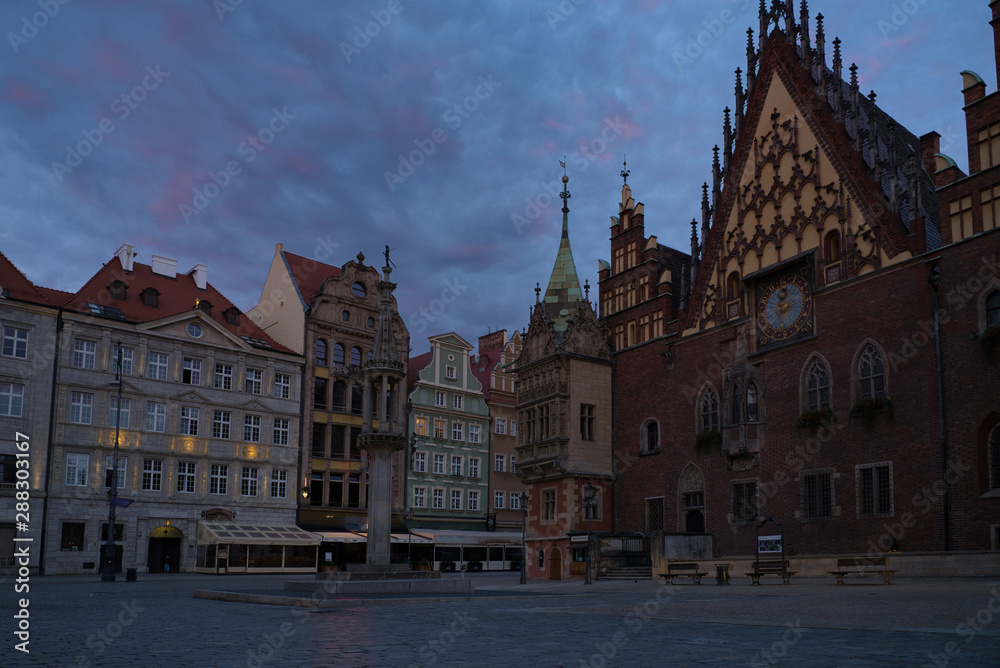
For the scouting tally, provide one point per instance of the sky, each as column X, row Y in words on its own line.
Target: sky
column 210, row 130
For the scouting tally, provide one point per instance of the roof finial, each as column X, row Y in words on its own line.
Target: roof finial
column 804, row 29
column 625, row 172
column 727, row 140
column 820, row 44
column 586, row 289
column 751, row 61
column 538, row 292
column 564, row 194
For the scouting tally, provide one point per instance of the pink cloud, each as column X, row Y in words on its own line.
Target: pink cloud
column 26, row 97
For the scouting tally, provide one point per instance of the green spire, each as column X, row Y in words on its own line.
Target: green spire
column 563, row 292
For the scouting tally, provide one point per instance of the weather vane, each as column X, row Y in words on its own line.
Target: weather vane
column 625, row 172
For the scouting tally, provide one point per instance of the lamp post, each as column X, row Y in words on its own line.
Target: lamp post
column 589, row 503
column 524, row 523
column 108, row 572
column 409, row 537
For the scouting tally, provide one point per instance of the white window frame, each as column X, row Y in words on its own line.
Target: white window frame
column 279, row 483
column 515, row 501
column 500, row 426
column 126, row 412
column 437, row 499
column 457, row 431
column 81, row 407
column 84, row 354
column 251, row 428
column 499, row 499
column 280, row 431
column 77, row 467
column 455, row 502
column 473, row 500
column 450, row 373
column 457, row 465
column 219, row 479
column 474, row 467
column 223, row 378
column 282, row 385
column 254, row 381
column 458, row 402
column 438, row 464
column 513, row 427
column 120, row 472
column 187, row 472
column 12, row 336
column 420, row 462
column 439, row 399
column 152, row 475
column 500, row 463
column 190, row 417
column 419, row 497
column 128, row 355
column 156, row 416
column 474, row 433
column 440, row 429
column 249, row 477
column 222, row 424
column 191, row 371
column 11, row 399
column 156, row 366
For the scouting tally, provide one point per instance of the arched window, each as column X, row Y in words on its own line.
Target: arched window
column 338, row 354
column 649, row 436
column 339, row 396
column 709, row 410
column 818, row 386
column 993, row 310
column 995, row 457
column 356, row 356
column 751, row 402
column 737, row 401
column 320, row 352
column 831, row 247
column 871, row 373
column 733, row 286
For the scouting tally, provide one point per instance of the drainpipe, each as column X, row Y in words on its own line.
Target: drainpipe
column 934, row 278
column 50, row 446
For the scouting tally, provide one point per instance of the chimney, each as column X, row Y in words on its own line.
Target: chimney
column 164, row 266
column 200, row 274
column 125, row 254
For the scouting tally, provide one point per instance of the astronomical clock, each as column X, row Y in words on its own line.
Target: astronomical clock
column 784, row 307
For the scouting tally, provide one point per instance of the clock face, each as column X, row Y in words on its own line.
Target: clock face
column 784, row 308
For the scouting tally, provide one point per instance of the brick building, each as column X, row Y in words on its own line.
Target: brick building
column 821, row 356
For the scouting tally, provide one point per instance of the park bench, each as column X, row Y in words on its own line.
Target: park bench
column 676, row 569
column 769, row 566
column 862, row 566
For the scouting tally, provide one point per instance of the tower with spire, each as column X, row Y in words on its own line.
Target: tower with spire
column 564, row 418
column 383, row 430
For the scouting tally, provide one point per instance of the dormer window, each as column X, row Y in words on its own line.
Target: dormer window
column 204, row 306
column 150, row 297
column 232, row 315
column 117, row 290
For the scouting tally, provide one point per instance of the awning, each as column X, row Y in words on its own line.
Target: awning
column 253, row 534
column 457, row 537
column 362, row 537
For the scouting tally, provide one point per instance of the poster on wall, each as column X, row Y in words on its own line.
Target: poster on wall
column 768, row 544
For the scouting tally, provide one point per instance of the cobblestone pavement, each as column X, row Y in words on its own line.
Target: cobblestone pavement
column 79, row 621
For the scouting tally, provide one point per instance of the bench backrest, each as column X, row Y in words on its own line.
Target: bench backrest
column 677, row 566
column 765, row 564
column 858, row 562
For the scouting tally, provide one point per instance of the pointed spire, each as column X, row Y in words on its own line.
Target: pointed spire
column 716, row 178
column 706, row 213
column 762, row 33
column 384, row 348
column 806, row 42
column 790, row 21
column 873, row 134
column 751, row 62
column 739, row 101
column 820, row 44
column 727, row 134
column 563, row 292
column 856, row 135
column 694, row 241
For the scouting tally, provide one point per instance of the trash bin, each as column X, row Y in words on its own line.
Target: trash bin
column 721, row 574
column 130, row 575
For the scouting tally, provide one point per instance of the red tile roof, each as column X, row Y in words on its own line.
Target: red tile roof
column 19, row 287
column 308, row 274
column 416, row 365
column 177, row 295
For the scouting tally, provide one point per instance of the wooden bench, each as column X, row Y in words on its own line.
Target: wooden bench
column 863, row 566
column 774, row 566
column 676, row 569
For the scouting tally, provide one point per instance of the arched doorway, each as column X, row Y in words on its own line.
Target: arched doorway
column 164, row 550
column 692, row 501
column 555, row 564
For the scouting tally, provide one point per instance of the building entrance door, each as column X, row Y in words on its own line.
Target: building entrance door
column 555, row 565
column 164, row 550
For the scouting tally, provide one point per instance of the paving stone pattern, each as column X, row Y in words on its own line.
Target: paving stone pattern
column 79, row 621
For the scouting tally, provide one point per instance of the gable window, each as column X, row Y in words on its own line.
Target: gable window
column 818, row 386
column 449, row 372
column 204, row 306
column 586, row 422
column 150, row 297
column 874, row 484
column 744, row 502
column 871, row 373
column 192, row 372
column 649, row 436
column 358, row 289
column 709, row 410
column 254, row 381
column 320, row 352
column 84, row 354
column 15, row 342
column 156, row 368
column 817, row 496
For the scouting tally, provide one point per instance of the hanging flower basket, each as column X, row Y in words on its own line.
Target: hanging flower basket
column 707, row 440
column 814, row 419
column 867, row 408
column 988, row 340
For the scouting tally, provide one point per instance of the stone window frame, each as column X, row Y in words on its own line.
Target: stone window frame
column 800, row 512
column 875, row 512
column 731, row 515
column 856, row 371
column 708, row 389
column 549, row 507
column 804, row 391
column 644, row 429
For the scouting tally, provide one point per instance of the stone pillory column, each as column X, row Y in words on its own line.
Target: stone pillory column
column 383, row 430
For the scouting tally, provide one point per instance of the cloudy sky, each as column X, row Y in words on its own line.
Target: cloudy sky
column 210, row 130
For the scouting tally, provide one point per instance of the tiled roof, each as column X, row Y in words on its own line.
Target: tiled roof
column 57, row 297
column 308, row 275
column 176, row 295
column 19, row 287
column 563, row 291
column 482, row 369
column 417, row 364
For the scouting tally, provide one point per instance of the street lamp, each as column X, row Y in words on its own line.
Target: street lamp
column 589, row 503
column 524, row 523
column 108, row 573
column 409, row 537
